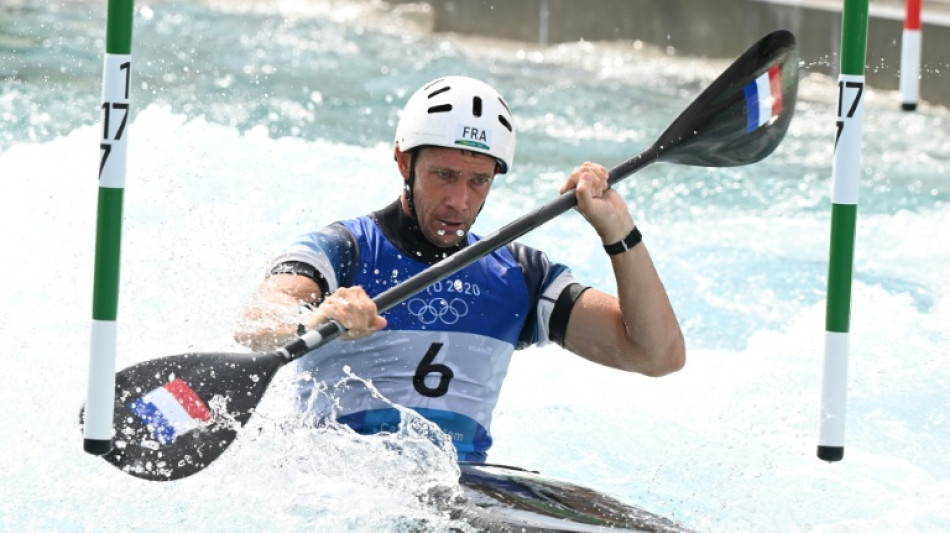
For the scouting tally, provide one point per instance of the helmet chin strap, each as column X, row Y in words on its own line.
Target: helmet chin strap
column 413, row 156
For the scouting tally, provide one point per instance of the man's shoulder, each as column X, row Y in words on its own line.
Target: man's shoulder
column 528, row 257
column 539, row 270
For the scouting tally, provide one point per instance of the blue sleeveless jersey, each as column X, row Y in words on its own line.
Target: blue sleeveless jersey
column 444, row 352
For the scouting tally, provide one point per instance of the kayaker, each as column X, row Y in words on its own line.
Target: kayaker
column 444, row 352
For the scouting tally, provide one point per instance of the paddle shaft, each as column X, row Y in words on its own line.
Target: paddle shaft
column 394, row 296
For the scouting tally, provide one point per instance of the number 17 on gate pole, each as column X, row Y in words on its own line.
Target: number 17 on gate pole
column 116, row 83
column 846, row 174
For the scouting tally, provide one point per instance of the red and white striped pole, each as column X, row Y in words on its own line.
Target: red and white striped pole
column 910, row 57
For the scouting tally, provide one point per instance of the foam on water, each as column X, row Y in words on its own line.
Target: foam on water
column 214, row 191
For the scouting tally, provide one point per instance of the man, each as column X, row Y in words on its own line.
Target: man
column 445, row 352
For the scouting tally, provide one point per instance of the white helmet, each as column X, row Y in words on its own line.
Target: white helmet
column 458, row 112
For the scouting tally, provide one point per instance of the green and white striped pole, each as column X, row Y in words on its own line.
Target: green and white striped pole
column 116, row 82
column 845, row 175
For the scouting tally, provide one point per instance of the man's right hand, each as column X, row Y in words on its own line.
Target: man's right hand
column 352, row 308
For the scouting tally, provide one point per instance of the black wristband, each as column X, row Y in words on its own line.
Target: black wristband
column 632, row 239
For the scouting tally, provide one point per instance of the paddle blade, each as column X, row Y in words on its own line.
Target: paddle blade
column 177, row 414
column 744, row 114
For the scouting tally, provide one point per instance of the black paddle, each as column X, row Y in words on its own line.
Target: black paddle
column 177, row 414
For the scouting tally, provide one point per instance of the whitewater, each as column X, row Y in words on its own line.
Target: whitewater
column 255, row 121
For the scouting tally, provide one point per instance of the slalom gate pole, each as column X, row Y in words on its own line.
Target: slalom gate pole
column 845, row 175
column 910, row 57
column 116, row 82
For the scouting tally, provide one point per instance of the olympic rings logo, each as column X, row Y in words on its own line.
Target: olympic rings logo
column 445, row 311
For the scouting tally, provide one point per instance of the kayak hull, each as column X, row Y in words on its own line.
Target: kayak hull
column 504, row 498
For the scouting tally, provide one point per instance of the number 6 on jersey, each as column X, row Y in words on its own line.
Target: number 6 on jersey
column 426, row 368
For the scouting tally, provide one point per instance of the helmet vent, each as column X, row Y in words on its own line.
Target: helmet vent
column 504, row 105
column 504, row 122
column 444, row 108
column 477, row 106
column 440, row 91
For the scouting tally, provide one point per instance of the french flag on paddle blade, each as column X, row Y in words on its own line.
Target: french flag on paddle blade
column 763, row 98
column 171, row 410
